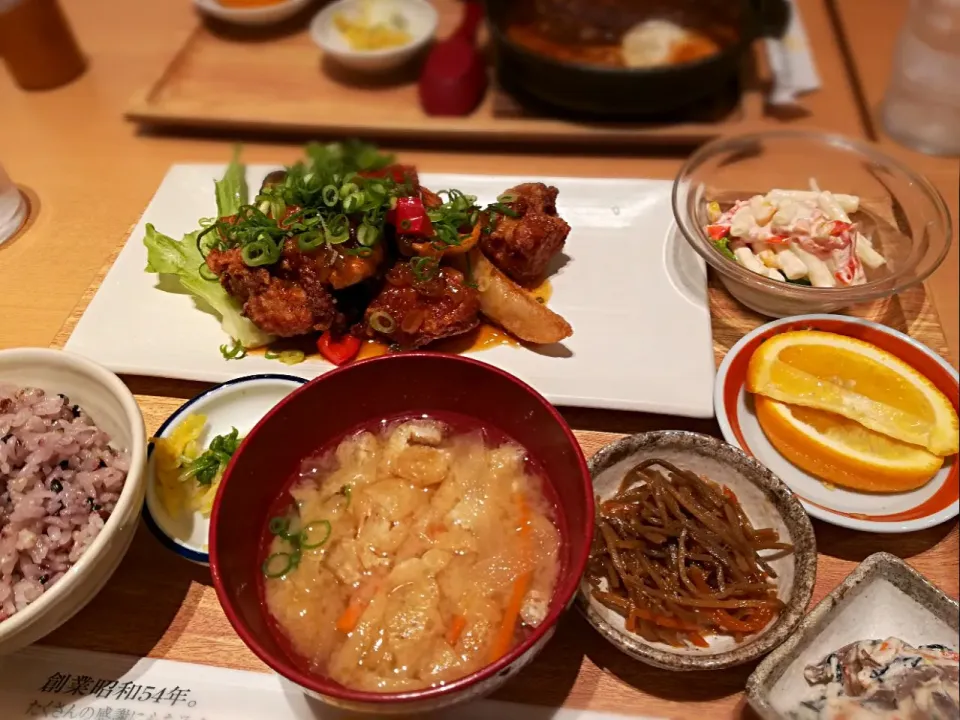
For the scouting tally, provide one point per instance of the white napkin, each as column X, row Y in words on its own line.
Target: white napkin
column 794, row 72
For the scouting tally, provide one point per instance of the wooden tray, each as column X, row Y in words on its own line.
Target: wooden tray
column 178, row 616
column 230, row 78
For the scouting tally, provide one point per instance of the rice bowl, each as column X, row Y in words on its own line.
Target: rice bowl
column 59, row 481
column 85, row 554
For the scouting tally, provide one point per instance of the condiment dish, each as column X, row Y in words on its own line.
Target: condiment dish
column 266, row 14
column 240, row 404
column 419, row 16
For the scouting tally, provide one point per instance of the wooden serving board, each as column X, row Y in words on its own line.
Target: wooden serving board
column 239, row 79
column 177, row 615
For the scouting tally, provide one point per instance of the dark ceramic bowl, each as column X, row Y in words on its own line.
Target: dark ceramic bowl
column 766, row 501
column 321, row 412
column 632, row 93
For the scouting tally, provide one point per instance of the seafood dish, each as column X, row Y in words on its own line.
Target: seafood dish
column 804, row 237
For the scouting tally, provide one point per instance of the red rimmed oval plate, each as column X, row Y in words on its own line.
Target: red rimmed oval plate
column 934, row 503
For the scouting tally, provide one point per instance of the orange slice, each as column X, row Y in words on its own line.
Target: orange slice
column 858, row 381
column 844, row 452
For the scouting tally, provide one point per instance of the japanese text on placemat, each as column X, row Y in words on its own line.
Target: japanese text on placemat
column 57, row 709
column 83, row 685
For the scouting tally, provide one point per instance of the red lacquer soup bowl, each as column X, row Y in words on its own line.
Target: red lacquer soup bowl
column 322, row 412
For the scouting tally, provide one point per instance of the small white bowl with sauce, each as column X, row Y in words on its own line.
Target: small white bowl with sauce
column 417, row 19
column 251, row 12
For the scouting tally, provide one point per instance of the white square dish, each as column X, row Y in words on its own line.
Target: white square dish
column 884, row 597
column 633, row 290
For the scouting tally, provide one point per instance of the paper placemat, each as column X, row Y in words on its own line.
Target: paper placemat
column 42, row 682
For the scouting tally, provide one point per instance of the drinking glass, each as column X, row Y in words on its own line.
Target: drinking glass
column 13, row 208
column 921, row 108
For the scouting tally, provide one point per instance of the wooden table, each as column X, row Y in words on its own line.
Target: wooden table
column 92, row 174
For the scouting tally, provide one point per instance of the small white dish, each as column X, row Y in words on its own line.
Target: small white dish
column 264, row 15
column 884, row 597
column 240, row 404
column 421, row 23
column 932, row 504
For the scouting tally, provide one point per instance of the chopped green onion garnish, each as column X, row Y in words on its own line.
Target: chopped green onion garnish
column 214, row 460
column 310, row 240
column 330, row 195
column 234, row 351
column 279, row 525
column 424, row 268
column 382, row 322
column 262, row 251
column 501, row 208
column 315, row 534
column 287, row 357
column 367, row 235
column 206, row 273
column 279, row 564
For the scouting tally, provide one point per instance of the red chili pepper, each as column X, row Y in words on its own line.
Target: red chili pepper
column 410, row 217
column 777, row 240
column 338, row 350
column 838, row 227
column 848, row 271
column 398, row 173
column 718, row 232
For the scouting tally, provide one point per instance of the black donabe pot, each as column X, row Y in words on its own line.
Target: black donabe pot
column 633, row 92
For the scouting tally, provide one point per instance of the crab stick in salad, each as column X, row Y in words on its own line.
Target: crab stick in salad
column 804, row 237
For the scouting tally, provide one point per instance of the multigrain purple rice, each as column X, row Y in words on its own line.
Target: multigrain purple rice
column 59, row 481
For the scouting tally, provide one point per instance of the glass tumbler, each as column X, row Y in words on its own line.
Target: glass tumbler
column 13, row 207
column 921, row 108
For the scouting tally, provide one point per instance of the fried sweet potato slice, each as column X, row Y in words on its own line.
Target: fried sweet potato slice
column 514, row 309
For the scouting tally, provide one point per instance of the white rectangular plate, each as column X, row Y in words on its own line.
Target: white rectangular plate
column 632, row 288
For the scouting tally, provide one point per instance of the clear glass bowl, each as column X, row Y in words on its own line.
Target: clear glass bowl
column 902, row 213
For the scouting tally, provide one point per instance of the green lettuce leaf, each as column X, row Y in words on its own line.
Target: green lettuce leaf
column 232, row 191
column 723, row 245
column 182, row 258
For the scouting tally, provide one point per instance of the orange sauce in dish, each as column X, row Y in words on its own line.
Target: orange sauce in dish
column 248, row 3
